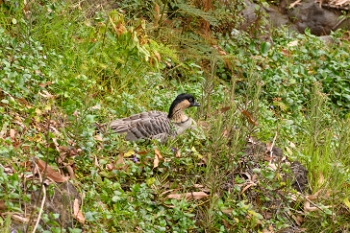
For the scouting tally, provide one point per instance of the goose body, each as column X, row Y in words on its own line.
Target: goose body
column 157, row 124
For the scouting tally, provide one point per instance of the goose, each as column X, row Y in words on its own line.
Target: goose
column 156, row 124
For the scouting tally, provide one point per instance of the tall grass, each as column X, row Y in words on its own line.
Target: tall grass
column 107, row 66
column 325, row 150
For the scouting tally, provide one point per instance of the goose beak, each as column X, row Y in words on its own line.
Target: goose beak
column 195, row 104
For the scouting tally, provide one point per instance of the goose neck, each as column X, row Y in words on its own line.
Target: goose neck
column 179, row 117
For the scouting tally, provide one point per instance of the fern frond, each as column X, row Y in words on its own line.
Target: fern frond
column 193, row 11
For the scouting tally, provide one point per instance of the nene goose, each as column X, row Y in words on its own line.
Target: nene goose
column 156, row 124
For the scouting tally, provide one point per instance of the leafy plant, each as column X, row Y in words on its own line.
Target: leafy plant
column 65, row 70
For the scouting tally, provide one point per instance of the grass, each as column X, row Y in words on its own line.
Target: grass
column 63, row 71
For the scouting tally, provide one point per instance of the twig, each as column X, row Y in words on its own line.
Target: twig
column 336, row 7
column 294, row 4
column 339, row 22
column 42, row 201
column 273, row 143
column 42, row 177
column 16, row 216
column 311, row 197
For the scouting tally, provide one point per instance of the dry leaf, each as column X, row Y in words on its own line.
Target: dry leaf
column 247, row 187
column 226, row 224
column 314, row 196
column 339, row 3
column 120, row 160
column 320, row 180
column 168, row 64
column 267, row 230
column 96, row 107
column 227, row 211
column 46, row 94
column 269, row 158
column 297, row 2
column 142, row 152
column 166, row 191
column 225, row 109
column 78, row 215
column 156, row 151
column 50, row 172
column 156, row 9
column 76, row 113
column 119, row 28
column 308, row 207
column 12, row 133
column 57, row 146
column 3, row 130
column 289, row 151
column 26, row 8
column 18, row 218
column 272, row 166
column 249, row 117
column 292, row 145
column 298, row 219
column 225, row 133
column 293, row 43
column 45, row 84
column 97, row 164
column 110, row 166
column 157, row 55
column 2, row 205
column 178, row 153
column 98, row 138
column 8, row 170
column 155, row 161
column 309, row 198
column 157, row 157
column 188, row 196
column 70, row 171
column 285, row 52
column 220, row 51
column 66, row 151
column 268, row 147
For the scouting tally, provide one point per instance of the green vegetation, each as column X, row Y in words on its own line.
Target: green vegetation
column 66, row 66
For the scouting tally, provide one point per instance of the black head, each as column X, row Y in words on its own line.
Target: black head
column 185, row 100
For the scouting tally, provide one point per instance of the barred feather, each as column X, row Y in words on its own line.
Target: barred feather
column 156, row 124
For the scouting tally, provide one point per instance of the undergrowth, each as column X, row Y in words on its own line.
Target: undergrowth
column 63, row 71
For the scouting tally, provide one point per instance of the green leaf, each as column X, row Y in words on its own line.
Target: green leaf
column 264, row 48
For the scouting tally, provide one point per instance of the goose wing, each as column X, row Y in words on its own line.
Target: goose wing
column 153, row 124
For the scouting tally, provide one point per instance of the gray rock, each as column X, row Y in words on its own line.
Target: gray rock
column 308, row 14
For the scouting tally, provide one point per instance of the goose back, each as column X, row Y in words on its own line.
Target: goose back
column 157, row 124
column 152, row 124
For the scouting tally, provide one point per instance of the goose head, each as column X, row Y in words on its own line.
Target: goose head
column 176, row 110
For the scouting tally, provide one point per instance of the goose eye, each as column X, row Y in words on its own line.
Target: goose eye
column 191, row 100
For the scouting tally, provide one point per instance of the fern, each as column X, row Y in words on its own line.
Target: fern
column 193, row 11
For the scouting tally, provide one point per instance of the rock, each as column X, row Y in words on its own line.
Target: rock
column 300, row 181
column 249, row 15
column 327, row 39
column 308, row 14
column 253, row 17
